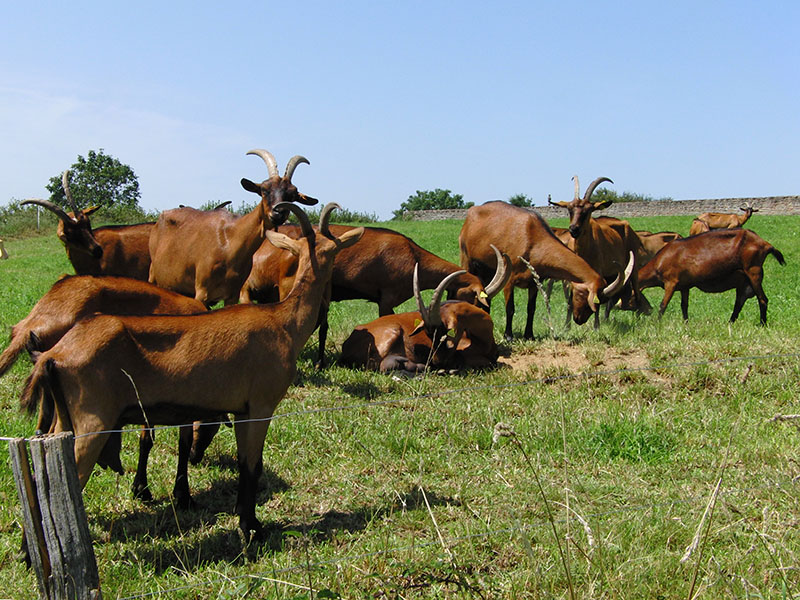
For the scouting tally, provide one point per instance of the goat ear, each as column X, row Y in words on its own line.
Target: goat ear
column 307, row 200
column 284, row 242
column 419, row 325
column 601, row 205
column 348, row 238
column 250, row 186
column 91, row 210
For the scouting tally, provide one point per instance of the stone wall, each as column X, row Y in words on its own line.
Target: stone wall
column 774, row 205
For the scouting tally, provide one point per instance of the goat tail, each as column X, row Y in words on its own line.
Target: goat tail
column 42, row 389
column 774, row 251
column 10, row 354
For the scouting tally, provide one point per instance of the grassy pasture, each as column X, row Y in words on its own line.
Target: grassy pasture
column 433, row 487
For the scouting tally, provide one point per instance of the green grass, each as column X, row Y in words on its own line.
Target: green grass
column 626, row 427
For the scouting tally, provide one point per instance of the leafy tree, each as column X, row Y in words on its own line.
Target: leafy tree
column 520, row 200
column 437, row 199
column 100, row 179
column 602, row 194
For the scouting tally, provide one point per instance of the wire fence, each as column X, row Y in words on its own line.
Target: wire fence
column 449, row 542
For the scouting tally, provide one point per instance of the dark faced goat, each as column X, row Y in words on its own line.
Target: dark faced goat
column 523, row 234
column 208, row 254
column 112, row 250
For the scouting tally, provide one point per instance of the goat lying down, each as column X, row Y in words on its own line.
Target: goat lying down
column 239, row 360
column 450, row 335
column 74, row 297
column 714, row 261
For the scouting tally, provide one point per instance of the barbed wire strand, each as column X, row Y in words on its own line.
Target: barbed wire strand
column 439, row 394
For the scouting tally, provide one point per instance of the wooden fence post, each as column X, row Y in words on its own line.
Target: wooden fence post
column 56, row 531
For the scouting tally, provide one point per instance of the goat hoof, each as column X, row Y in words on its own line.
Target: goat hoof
column 143, row 494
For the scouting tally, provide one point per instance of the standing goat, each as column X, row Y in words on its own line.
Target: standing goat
column 111, row 250
column 379, row 268
column 448, row 335
column 207, row 255
column 524, row 234
column 75, row 297
column 605, row 244
column 108, row 371
column 714, row 261
column 712, row 220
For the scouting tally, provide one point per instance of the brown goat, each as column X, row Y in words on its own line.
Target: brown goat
column 452, row 335
column 240, row 360
column 714, row 261
column 75, row 297
column 521, row 233
column 725, row 220
column 698, row 226
column 207, row 255
column 379, row 268
column 120, row 250
column 653, row 242
column 604, row 243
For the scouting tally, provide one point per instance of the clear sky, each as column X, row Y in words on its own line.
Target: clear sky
column 487, row 99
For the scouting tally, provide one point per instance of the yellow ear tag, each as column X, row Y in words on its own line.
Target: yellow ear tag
column 417, row 323
column 596, row 300
column 483, row 294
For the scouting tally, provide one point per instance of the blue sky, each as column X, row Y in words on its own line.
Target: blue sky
column 679, row 99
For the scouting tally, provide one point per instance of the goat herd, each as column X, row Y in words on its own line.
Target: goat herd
column 130, row 339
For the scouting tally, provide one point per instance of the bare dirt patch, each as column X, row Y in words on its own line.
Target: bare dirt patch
column 575, row 359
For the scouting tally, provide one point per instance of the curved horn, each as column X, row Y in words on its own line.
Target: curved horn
column 59, row 212
column 292, row 165
column 593, row 186
column 501, row 275
column 267, row 157
column 621, row 279
column 65, row 185
column 436, row 298
column 423, row 310
column 305, row 224
column 221, row 206
column 324, row 217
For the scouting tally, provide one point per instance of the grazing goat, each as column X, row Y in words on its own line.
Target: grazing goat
column 379, row 268
column 207, row 255
column 712, row 220
column 111, row 250
column 451, row 335
column 605, row 244
column 75, row 297
column 109, row 371
column 521, row 233
column 714, row 261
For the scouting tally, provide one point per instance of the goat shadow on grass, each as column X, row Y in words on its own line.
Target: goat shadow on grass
column 227, row 545
column 163, row 520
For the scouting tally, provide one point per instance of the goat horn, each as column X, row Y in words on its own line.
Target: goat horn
column 621, row 279
column 577, row 187
column 292, row 165
column 436, row 298
column 267, row 157
column 301, row 215
column 324, row 217
column 59, row 212
column 593, row 186
column 501, row 275
column 418, row 296
column 65, row 185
